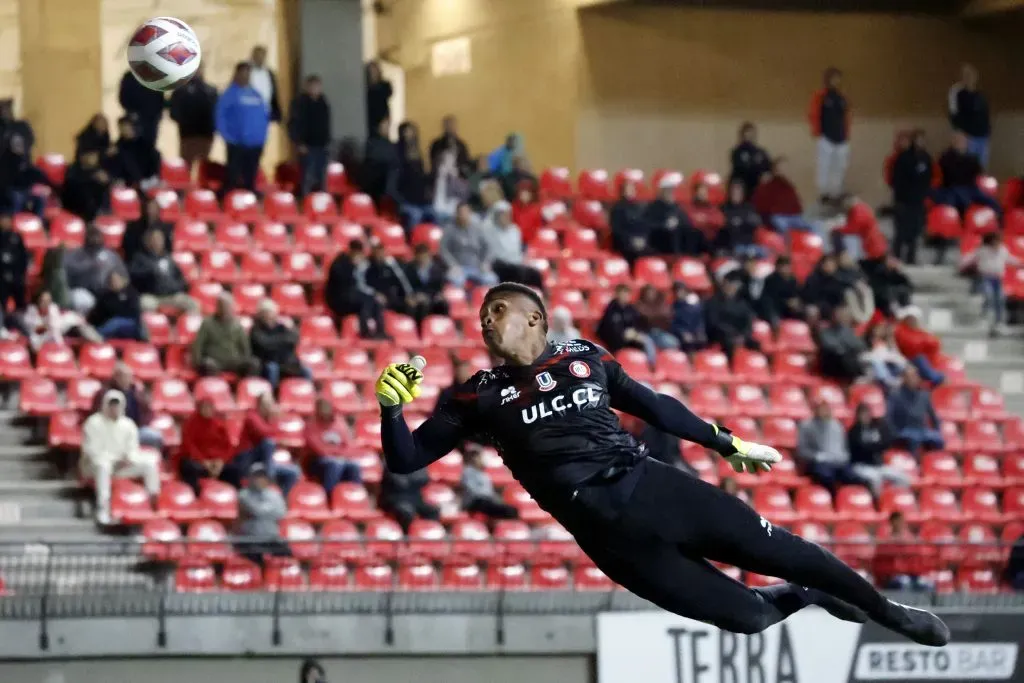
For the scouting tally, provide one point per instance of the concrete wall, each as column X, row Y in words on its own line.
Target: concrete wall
column 332, row 46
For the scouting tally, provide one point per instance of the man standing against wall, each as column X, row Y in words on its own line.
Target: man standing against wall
column 969, row 113
column 309, row 127
column 242, row 120
column 829, row 116
column 265, row 82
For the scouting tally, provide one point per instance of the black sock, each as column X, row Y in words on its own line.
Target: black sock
column 782, row 600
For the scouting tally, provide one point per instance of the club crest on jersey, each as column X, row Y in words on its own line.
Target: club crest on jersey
column 545, row 381
column 579, row 369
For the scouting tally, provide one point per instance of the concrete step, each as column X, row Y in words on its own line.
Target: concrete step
column 27, row 470
column 44, row 488
column 57, row 530
column 975, row 345
column 23, row 452
column 18, row 510
column 929, row 278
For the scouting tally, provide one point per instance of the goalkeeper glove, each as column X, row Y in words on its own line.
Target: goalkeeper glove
column 743, row 456
column 398, row 384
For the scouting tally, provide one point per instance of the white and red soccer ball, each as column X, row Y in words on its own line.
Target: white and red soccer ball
column 164, row 53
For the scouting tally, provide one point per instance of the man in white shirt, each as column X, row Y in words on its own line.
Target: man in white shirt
column 110, row 448
column 262, row 78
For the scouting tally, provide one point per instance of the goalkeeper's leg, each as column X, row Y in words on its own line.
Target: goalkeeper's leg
column 708, row 522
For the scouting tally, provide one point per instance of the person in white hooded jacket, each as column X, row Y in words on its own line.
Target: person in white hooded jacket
column 110, row 448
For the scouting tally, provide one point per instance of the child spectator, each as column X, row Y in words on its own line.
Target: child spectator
column 688, row 319
column 327, row 448
column 867, row 442
column 526, row 210
column 478, row 493
column 990, row 259
column 912, row 416
column 110, row 448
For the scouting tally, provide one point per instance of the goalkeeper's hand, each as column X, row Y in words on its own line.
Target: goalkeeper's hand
column 398, row 384
column 746, row 457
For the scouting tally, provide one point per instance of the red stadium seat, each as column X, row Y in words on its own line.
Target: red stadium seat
column 202, row 205
column 549, row 575
column 172, row 396
column 372, row 574
column 672, row 365
column 982, row 437
column 506, row 575
column 81, row 392
column 337, row 181
column 590, row 214
column 576, row 272
column 342, row 539
column 775, row 504
column 900, row 500
column 195, row 576
column 97, row 360
column 329, row 574
column 32, row 231
column 242, row 205
column 428, row 539
column 980, row 220
column 981, row 580
column 352, row 502
column 297, row 395
column 789, row 401
column 1013, row 222
column 359, row 208
column 589, row 578
column 853, row 543
column 15, row 362
column 63, row 430
column 982, row 505
column 951, row 436
column 219, row 267
column 749, row 400
column 383, row 538
column 162, row 540
column 1013, row 469
column 159, row 328
column 712, row 366
column 125, row 203
column 940, row 504
column 594, row 184
column 54, row 167
column 806, row 245
column 416, row 573
column 233, row 236
column 38, row 396
column 143, row 360
column 241, row 575
column 319, row 206
column 307, row 500
column 301, row 537
column 951, row 403
column 982, row 469
column 870, row 395
column 112, row 228
column 692, row 273
column 815, row 502
column 1013, row 503
column 940, row 469
column 57, row 362
column 780, row 432
column 290, row 298
column 283, row 574
column 795, row 335
column 272, row 236
column 175, row 173
column 67, row 229
column 856, row 503
column 130, row 503
column 582, row 243
column 281, row 206
column 218, row 500
column 710, row 400
column 178, row 502
column 248, row 296
column 751, row 366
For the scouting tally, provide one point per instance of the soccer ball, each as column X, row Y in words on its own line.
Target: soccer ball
column 164, row 53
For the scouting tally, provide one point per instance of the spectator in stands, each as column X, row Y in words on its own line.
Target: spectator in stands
column 622, row 326
column 135, row 232
column 118, row 311
column 867, row 440
column 257, row 443
column 824, row 288
column 95, row 137
column 631, row 232
column 158, row 278
column 507, row 249
column 478, row 494
column 466, row 251
column 898, row 563
column 380, row 162
column 409, row 182
column 206, row 444
column 860, row 298
column 922, row 348
column 222, row 345
column 730, row 319
column 829, row 116
column 840, row 348
column 242, row 118
column 501, row 161
column 14, row 262
column 378, row 97
column 990, row 260
column 885, row 360
column 110, row 448
column 11, row 127
column 969, row 113
column 450, row 189
column 656, row 317
column 261, row 508
column 309, row 127
column 821, row 450
column 862, row 223
column 668, row 226
column 88, row 270
column 147, row 106
column 18, row 176
column 777, row 201
column 347, row 291
column 449, row 141
column 562, row 329
column 780, row 296
column 193, row 107
column 327, row 448
column 136, row 407
column 741, row 223
column 912, row 416
column 273, row 344
column 401, row 496
column 749, row 161
column 135, row 161
column 386, row 276
column 688, row 319
column 960, row 170
column 704, row 215
column 426, row 278
column 519, row 174
column 86, row 189
column 900, row 144
column 912, row 174
column 264, row 80
column 477, row 179
column 46, row 323
column 891, row 287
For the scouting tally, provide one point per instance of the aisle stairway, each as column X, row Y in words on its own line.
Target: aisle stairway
column 955, row 315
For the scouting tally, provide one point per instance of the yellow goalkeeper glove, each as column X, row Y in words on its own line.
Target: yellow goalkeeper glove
column 745, row 456
column 398, row 384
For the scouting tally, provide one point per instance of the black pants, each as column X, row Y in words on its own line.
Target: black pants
column 405, row 509
column 242, row 167
column 909, row 222
column 492, row 507
column 655, row 529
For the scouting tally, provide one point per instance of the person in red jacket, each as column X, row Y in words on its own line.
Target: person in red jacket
column 900, row 562
column 256, row 443
column 922, row 348
column 526, row 210
column 206, row 445
column 861, row 222
column 327, row 448
column 777, row 201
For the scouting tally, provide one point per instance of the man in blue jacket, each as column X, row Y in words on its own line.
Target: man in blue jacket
column 242, row 120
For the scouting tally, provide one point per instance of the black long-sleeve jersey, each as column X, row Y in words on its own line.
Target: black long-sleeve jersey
column 552, row 422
